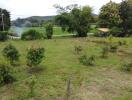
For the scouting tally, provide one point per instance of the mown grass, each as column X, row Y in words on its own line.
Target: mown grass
column 103, row 81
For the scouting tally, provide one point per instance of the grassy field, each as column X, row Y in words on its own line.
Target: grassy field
column 103, row 81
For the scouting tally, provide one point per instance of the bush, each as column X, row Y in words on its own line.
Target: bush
column 127, row 67
column 113, row 47
column 87, row 60
column 78, row 49
column 11, row 53
column 105, row 52
column 6, row 76
column 120, row 43
column 49, row 30
column 3, row 36
column 35, row 56
column 31, row 35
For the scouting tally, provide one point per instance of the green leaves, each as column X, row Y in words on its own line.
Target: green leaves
column 35, row 56
column 77, row 20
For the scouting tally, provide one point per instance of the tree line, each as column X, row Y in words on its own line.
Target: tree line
column 76, row 19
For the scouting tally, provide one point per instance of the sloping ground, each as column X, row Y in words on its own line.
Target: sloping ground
column 103, row 81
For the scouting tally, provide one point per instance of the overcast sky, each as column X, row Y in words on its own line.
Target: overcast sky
column 26, row 8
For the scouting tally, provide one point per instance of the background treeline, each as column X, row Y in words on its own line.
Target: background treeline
column 78, row 20
column 34, row 21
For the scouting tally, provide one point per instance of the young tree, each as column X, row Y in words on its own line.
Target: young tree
column 49, row 29
column 75, row 19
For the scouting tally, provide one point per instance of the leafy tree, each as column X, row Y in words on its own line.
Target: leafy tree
column 126, row 16
column 109, row 15
column 11, row 53
column 49, row 29
column 75, row 19
column 6, row 20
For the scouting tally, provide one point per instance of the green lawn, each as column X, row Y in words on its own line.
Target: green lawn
column 103, row 81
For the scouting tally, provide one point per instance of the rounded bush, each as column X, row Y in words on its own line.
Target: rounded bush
column 35, row 56
column 11, row 53
column 31, row 35
column 3, row 35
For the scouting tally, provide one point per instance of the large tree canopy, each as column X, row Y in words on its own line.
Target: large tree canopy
column 109, row 15
column 75, row 19
column 6, row 20
column 126, row 16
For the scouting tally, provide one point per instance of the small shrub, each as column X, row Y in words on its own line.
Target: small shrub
column 78, row 49
column 87, row 60
column 105, row 52
column 120, row 43
column 31, row 35
column 49, row 30
column 113, row 48
column 35, row 56
column 31, row 84
column 11, row 53
column 127, row 67
column 6, row 76
column 3, row 36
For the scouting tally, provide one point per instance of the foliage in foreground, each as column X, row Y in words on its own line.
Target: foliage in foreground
column 11, row 53
column 35, row 56
column 6, row 76
column 49, row 30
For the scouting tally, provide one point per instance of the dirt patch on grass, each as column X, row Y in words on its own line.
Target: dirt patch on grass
column 124, row 53
column 99, row 42
column 108, row 84
column 35, row 70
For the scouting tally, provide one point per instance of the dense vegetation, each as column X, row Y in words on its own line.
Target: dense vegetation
column 31, row 35
column 75, row 19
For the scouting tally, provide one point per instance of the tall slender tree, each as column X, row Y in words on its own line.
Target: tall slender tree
column 5, row 22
